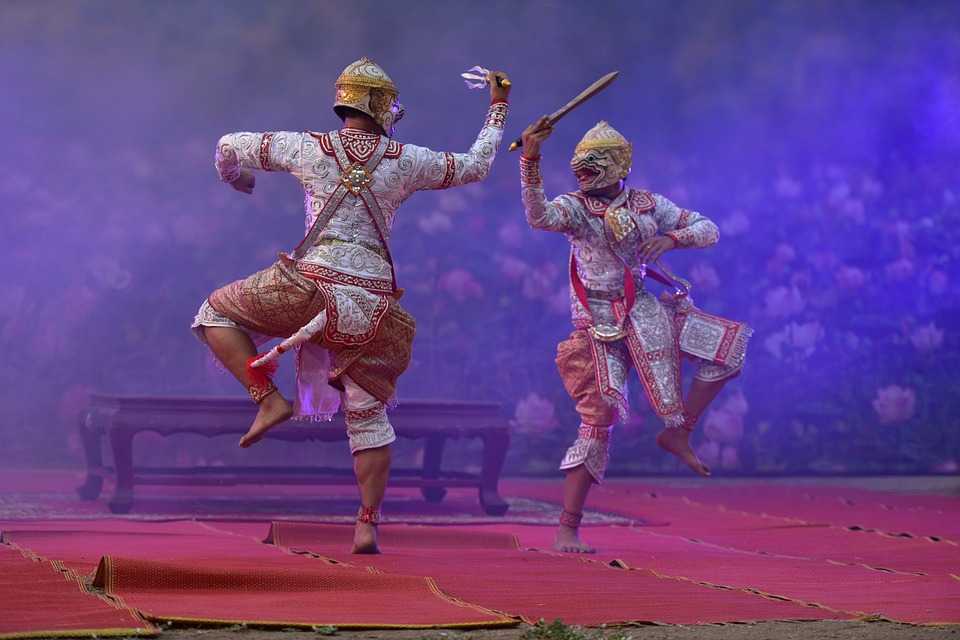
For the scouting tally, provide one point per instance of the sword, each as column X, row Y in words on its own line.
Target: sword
column 585, row 95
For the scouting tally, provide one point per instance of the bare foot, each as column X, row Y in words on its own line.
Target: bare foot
column 677, row 442
column 273, row 410
column 568, row 541
column 365, row 538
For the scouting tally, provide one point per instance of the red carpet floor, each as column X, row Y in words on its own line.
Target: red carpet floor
column 683, row 553
column 38, row 599
column 187, row 571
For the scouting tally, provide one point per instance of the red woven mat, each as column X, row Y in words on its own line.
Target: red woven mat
column 481, row 564
column 38, row 599
column 187, row 571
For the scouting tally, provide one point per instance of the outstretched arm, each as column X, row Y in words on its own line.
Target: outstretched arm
column 441, row 170
column 239, row 153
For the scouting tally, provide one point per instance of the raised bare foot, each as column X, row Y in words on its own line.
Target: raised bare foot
column 273, row 410
column 677, row 442
column 365, row 538
column 568, row 541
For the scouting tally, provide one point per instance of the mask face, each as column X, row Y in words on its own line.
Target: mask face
column 594, row 169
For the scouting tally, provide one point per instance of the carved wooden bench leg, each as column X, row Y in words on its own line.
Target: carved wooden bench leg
column 121, row 442
column 495, row 444
column 90, row 434
column 432, row 463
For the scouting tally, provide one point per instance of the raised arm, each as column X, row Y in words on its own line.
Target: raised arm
column 688, row 229
column 270, row 151
column 560, row 215
column 427, row 169
column 441, row 170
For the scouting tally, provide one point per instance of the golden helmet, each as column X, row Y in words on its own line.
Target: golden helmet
column 366, row 87
column 605, row 155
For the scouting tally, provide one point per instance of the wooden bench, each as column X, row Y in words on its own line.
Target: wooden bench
column 121, row 417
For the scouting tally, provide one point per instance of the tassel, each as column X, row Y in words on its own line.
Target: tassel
column 262, row 375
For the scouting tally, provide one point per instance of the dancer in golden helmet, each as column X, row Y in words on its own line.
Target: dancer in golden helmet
column 336, row 292
column 616, row 235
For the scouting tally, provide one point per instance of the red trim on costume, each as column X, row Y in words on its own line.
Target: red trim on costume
column 594, row 432
column 357, row 152
column 265, row 152
column 641, row 201
column 449, row 171
column 323, row 273
column 333, row 334
column 364, row 414
column 263, row 375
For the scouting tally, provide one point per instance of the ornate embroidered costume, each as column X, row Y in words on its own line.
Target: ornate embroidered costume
column 618, row 324
column 341, row 277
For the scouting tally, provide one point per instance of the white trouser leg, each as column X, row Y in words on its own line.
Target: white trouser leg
column 367, row 424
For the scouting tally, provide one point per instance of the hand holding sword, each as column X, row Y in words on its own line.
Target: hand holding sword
column 542, row 128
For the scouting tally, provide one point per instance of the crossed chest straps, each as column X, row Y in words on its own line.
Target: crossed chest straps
column 355, row 178
column 607, row 333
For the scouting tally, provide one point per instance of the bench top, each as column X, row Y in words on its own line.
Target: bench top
column 166, row 405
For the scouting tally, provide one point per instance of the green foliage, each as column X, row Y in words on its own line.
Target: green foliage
column 558, row 630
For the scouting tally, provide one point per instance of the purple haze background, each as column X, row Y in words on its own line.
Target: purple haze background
column 823, row 137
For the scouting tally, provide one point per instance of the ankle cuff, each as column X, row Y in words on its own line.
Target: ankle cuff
column 569, row 519
column 260, row 391
column 369, row 515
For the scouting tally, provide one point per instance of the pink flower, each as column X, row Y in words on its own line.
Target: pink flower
column 781, row 258
column 511, row 234
column 108, row 273
column 871, row 187
column 852, row 209
column 800, row 339
column 900, row 269
column 736, row 224
column 724, row 427
column 729, row 458
column 947, row 466
column 453, row 200
column 850, row 277
column 806, row 336
column 787, row 187
column 839, row 193
column 534, row 414
column 460, row 284
column 938, row 282
column 709, row 452
column 559, row 302
column 824, row 260
column 435, row 222
column 927, row 338
column 705, row 276
column 736, row 403
column 539, row 283
column 894, row 404
column 512, row 268
column 782, row 302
